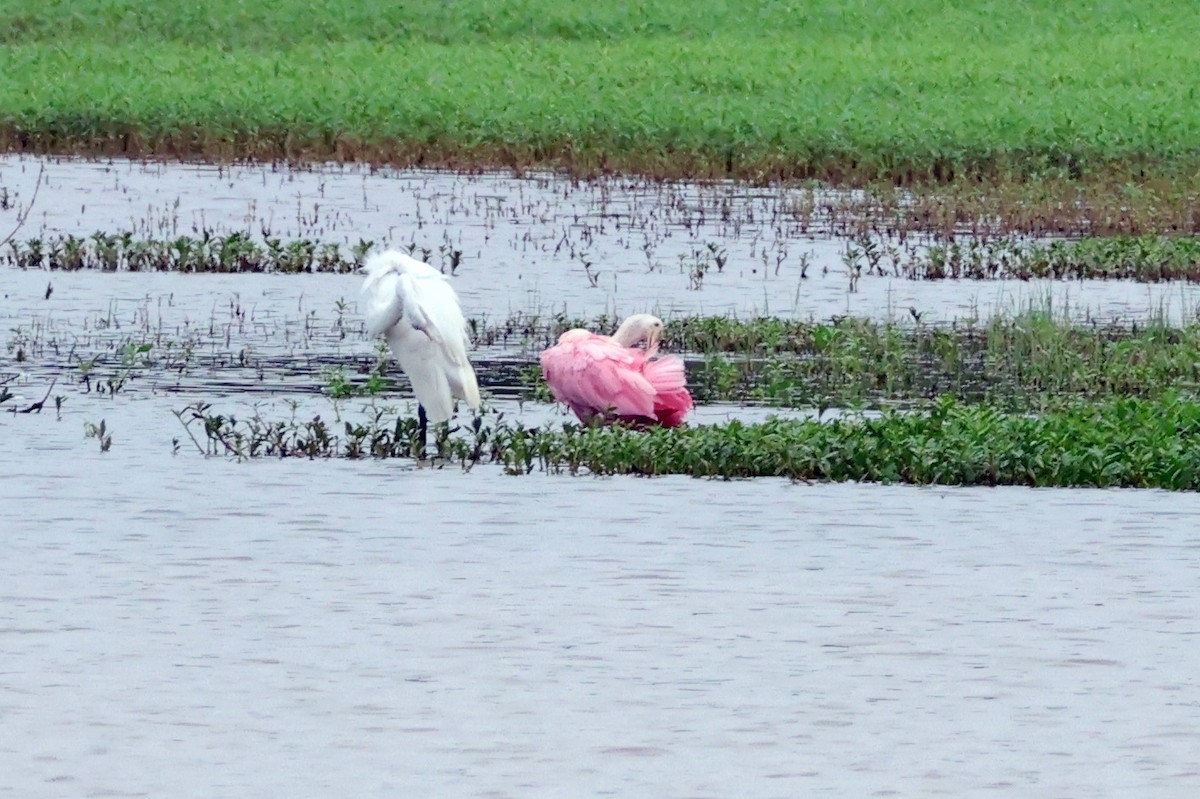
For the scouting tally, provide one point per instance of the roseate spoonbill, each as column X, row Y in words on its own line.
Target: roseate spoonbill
column 413, row 306
column 607, row 379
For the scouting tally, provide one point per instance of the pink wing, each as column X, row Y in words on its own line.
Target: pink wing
column 594, row 375
column 672, row 402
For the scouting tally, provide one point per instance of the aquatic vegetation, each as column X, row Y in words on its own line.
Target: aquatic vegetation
column 1096, row 205
column 533, row 385
column 1027, row 360
column 338, row 385
column 852, row 92
column 100, row 432
column 1030, row 358
column 1116, row 442
column 133, row 359
column 34, row 407
column 209, row 252
column 1146, row 258
column 376, row 436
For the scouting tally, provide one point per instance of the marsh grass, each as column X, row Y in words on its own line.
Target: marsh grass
column 846, row 92
column 1031, row 359
column 1117, row 442
column 207, row 252
column 1108, row 203
column 380, row 434
column 1147, row 258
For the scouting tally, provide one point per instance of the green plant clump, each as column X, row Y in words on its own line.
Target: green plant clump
column 1119, row 442
column 1147, row 259
column 208, row 252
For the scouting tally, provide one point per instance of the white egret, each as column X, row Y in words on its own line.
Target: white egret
column 415, row 308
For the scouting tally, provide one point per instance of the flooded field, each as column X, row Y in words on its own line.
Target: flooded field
column 176, row 625
column 531, row 249
column 537, row 245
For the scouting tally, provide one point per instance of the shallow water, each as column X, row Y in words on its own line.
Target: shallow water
column 524, row 242
column 171, row 625
column 283, row 333
column 174, row 625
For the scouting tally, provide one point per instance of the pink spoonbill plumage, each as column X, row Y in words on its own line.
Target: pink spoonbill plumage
column 606, row 379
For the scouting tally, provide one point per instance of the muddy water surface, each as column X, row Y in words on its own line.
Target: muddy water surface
column 174, row 626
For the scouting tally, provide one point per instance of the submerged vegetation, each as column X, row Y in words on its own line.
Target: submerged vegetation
column 1118, row 442
column 846, row 92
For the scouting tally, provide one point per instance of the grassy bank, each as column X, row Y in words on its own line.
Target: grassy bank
column 849, row 91
column 1125, row 442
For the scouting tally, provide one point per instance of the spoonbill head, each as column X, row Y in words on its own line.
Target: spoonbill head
column 638, row 329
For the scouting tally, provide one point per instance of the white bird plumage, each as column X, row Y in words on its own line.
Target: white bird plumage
column 415, row 308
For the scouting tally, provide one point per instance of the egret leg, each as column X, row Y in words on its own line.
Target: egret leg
column 422, row 430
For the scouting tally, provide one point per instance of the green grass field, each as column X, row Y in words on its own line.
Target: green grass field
column 899, row 89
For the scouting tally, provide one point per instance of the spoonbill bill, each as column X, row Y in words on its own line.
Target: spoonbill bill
column 415, row 308
column 606, row 379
